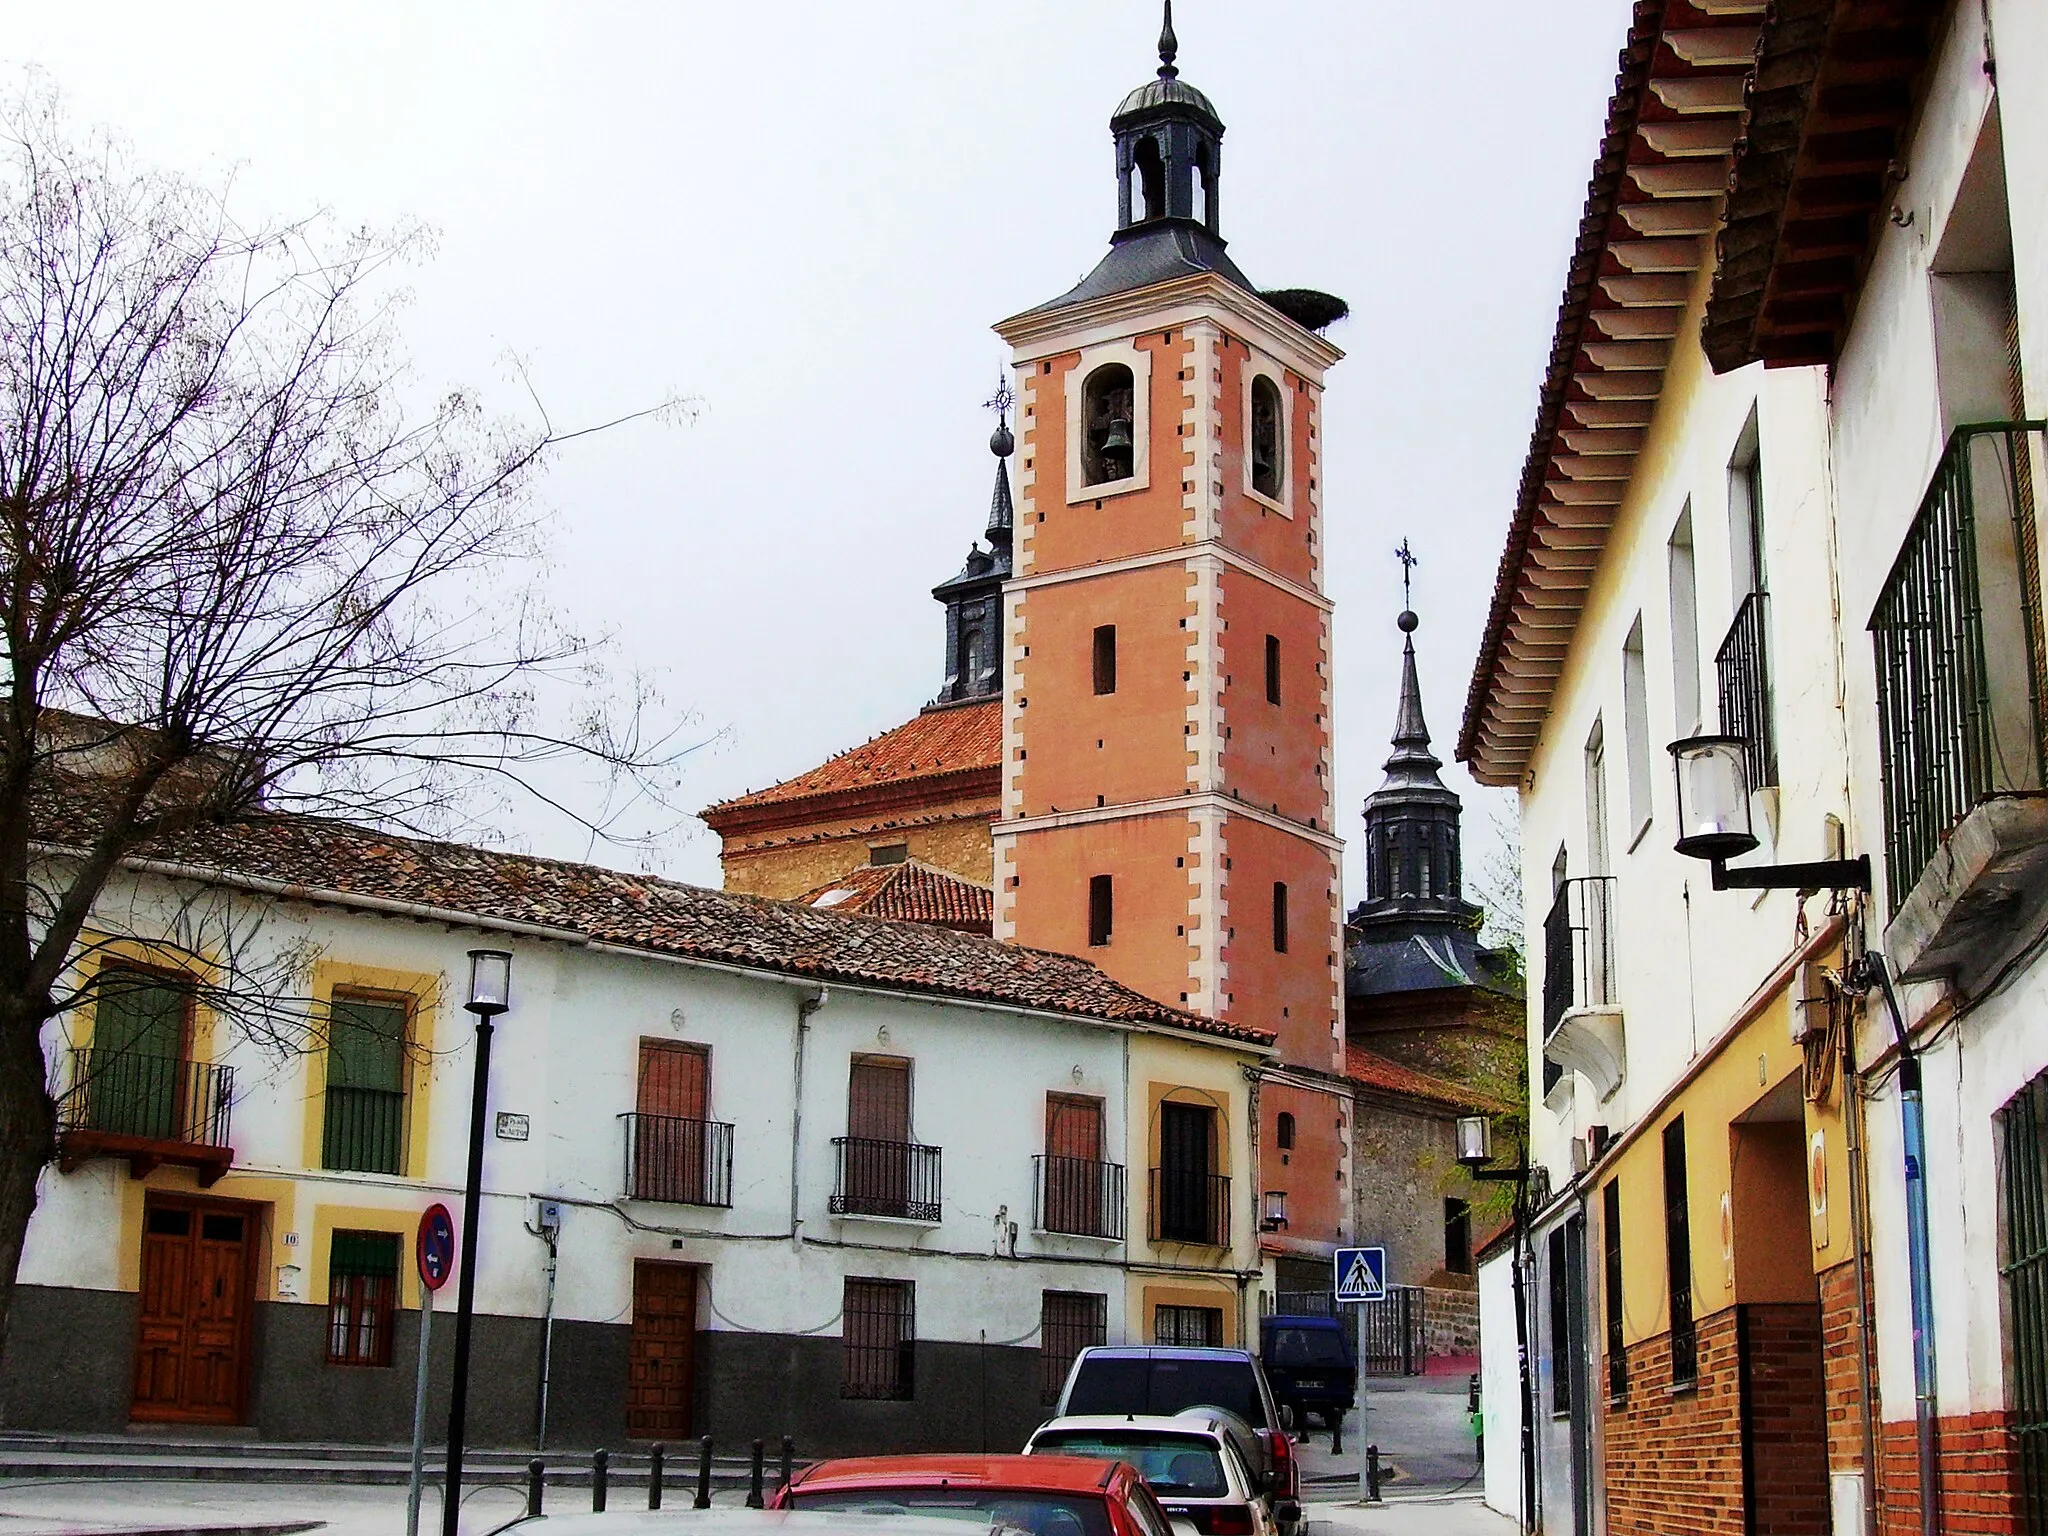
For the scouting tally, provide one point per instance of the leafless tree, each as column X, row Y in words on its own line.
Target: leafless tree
column 241, row 570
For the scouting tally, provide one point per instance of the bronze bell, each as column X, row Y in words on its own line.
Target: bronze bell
column 1119, row 438
column 1262, row 463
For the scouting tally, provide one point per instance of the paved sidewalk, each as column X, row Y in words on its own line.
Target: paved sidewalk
column 129, row 1507
column 1459, row 1516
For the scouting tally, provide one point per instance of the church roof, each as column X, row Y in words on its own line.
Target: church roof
column 1371, row 1070
column 1430, row 960
column 910, row 892
column 1154, row 252
column 953, row 742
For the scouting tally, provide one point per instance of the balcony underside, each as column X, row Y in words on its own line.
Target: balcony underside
column 144, row 1154
column 1981, row 901
column 1588, row 1041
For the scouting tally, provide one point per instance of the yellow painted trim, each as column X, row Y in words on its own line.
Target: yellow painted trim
column 1219, row 1295
column 329, row 1219
column 103, row 949
column 1158, row 1093
column 420, row 991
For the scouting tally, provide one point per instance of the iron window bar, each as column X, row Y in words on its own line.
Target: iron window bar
column 898, row 1179
column 154, row 1098
column 1077, row 1196
column 1190, row 1205
column 1939, row 752
column 1742, row 668
column 678, row 1161
column 1578, row 949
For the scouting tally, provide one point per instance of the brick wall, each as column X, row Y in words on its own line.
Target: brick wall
column 1785, row 1401
column 1980, row 1477
column 1840, row 1348
column 1674, row 1460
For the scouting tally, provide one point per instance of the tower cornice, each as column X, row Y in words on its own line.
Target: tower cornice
column 1046, row 332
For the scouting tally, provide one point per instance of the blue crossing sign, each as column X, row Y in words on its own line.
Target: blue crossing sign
column 1361, row 1274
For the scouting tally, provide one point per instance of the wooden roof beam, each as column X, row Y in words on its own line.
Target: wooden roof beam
column 1659, row 324
column 1691, row 138
column 1686, row 178
column 1700, row 95
column 1600, row 413
column 1603, row 440
column 1655, row 290
column 1657, row 255
column 1716, row 47
column 1671, row 217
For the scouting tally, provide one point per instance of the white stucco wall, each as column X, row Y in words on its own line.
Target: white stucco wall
column 1500, row 1392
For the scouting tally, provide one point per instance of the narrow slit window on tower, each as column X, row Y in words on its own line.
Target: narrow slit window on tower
column 1107, row 401
column 1105, row 658
column 1272, row 669
column 1268, row 463
column 1279, row 918
column 1101, row 910
column 1283, row 1131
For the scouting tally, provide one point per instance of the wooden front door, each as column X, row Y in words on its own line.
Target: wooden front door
column 662, row 1350
column 1073, row 1169
column 192, row 1344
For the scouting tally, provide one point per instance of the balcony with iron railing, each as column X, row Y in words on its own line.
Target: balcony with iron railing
column 1582, row 1025
column 1742, row 671
column 1078, row 1196
column 678, row 1162
column 1957, row 636
column 151, row 1110
column 897, row 1180
column 1190, row 1205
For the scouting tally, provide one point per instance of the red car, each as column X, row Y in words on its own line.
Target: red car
column 1026, row 1495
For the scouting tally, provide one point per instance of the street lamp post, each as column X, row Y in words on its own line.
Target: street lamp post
column 1475, row 1153
column 490, row 994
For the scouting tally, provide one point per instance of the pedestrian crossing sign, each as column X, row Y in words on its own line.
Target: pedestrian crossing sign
column 1361, row 1274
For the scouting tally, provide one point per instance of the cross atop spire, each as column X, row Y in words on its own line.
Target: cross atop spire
column 1169, row 46
column 1409, row 560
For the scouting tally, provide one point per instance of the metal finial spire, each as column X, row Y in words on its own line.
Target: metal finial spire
column 1000, row 442
column 1409, row 560
column 1169, row 46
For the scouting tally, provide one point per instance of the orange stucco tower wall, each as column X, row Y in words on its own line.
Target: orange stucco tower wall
column 1200, row 784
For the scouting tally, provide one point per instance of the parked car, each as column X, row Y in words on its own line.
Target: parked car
column 733, row 1522
column 1169, row 1379
column 1312, row 1366
column 1198, row 1462
column 1006, row 1495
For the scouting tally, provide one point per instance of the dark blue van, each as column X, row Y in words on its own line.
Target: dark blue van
column 1311, row 1364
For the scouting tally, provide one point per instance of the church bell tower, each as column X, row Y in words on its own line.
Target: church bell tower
column 1166, row 780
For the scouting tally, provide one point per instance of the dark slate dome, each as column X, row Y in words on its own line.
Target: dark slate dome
column 1166, row 91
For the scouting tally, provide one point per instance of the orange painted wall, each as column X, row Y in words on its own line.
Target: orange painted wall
column 1311, row 1173
column 1273, row 539
column 1293, row 994
column 1273, row 754
column 1150, row 949
column 1124, row 746
column 1135, row 522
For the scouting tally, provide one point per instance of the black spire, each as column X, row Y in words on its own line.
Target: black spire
column 973, row 629
column 1169, row 45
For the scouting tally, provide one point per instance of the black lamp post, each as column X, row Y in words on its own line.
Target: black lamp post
column 490, row 994
column 1475, row 1154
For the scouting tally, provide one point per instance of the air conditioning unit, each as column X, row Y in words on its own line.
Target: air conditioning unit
column 1582, row 1154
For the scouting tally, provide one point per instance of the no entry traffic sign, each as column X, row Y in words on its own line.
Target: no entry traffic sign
column 435, row 1248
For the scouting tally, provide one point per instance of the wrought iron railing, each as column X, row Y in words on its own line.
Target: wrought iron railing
column 1959, row 669
column 678, row 1161
column 363, row 1130
column 1578, row 949
column 885, row 1178
column 154, row 1098
column 1077, row 1195
column 1190, row 1205
column 1742, row 666
column 2023, row 1128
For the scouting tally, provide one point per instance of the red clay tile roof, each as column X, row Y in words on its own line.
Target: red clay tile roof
column 909, row 892
column 310, row 858
column 962, row 740
column 1375, row 1071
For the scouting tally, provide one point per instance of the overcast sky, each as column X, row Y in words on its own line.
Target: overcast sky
column 807, row 217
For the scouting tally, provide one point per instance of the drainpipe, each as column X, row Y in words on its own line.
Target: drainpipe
column 1859, row 1237
column 1913, row 1132
column 804, row 1009
column 551, row 1234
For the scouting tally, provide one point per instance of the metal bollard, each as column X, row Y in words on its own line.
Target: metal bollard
column 788, row 1460
column 703, row 1499
column 1337, row 1434
column 600, row 1472
column 1372, row 1473
column 654, row 1458
column 754, row 1499
column 534, row 1471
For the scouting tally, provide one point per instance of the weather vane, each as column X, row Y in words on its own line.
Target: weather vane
column 1409, row 561
column 1001, row 401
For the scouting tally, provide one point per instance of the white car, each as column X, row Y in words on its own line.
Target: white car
column 1199, row 1463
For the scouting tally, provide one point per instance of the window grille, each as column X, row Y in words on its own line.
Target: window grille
column 2023, row 1129
column 879, row 1330
column 362, row 1291
column 1196, row 1327
column 363, row 1129
column 1069, row 1322
column 1617, row 1343
column 1685, row 1353
column 1560, row 1326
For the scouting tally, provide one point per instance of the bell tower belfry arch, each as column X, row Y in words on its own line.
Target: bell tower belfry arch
column 1167, row 796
